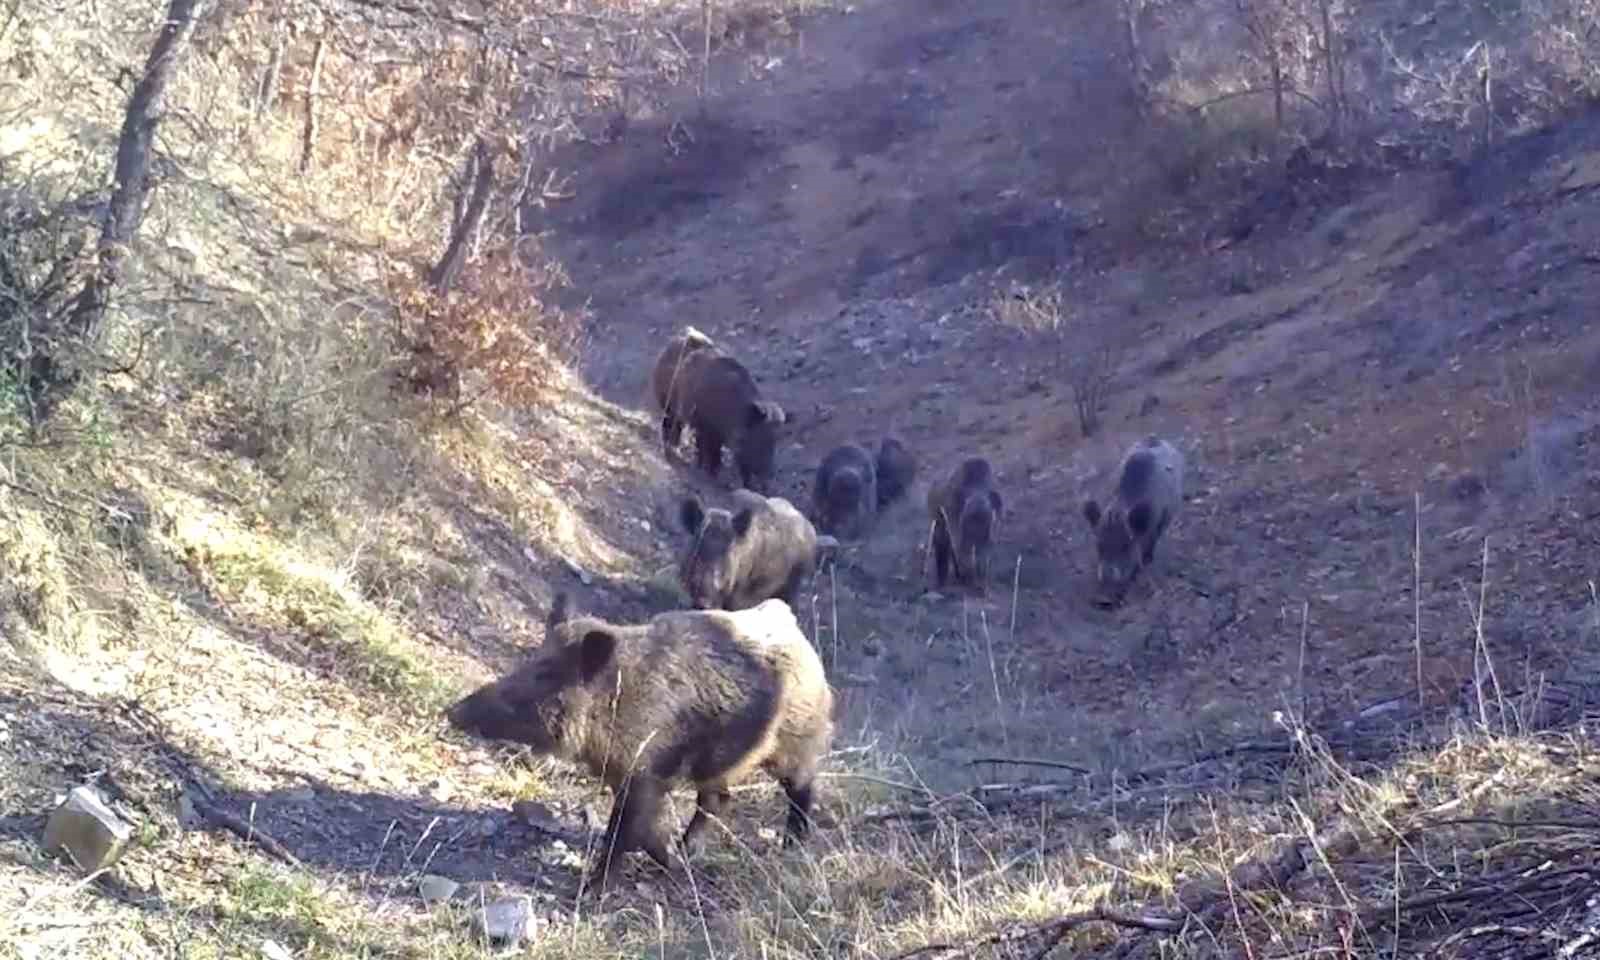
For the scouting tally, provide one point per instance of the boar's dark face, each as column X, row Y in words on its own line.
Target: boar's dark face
column 757, row 446
column 1117, row 549
column 544, row 703
column 709, row 570
column 846, row 500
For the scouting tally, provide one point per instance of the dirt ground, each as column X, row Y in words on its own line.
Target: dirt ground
column 841, row 223
column 839, row 214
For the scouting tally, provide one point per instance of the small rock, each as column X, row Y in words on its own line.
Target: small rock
column 933, row 596
column 188, row 814
column 87, row 829
column 508, row 919
column 577, row 571
column 434, row 888
column 536, row 815
column 273, row 950
column 299, row 795
column 482, row 769
column 487, row 827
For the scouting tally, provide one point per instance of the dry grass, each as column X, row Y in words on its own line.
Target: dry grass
column 290, row 567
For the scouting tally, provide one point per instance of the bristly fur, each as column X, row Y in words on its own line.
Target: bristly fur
column 697, row 384
column 734, row 559
column 844, row 497
column 964, row 509
column 1148, row 493
column 703, row 697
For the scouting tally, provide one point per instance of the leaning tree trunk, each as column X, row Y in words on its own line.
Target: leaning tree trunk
column 444, row 273
column 50, row 380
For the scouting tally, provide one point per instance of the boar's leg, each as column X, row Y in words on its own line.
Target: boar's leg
column 942, row 552
column 1155, row 535
column 708, row 803
column 632, row 826
column 671, row 431
column 708, row 447
column 798, row 787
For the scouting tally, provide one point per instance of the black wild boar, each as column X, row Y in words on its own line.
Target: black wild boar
column 896, row 469
column 965, row 508
column 698, row 384
column 845, row 497
column 703, row 697
column 1148, row 494
column 763, row 547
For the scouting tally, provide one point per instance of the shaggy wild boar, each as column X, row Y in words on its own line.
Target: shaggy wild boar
column 703, row 697
column 845, row 497
column 1149, row 491
column 896, row 469
column 763, row 547
column 698, row 384
column 965, row 508
column 667, row 378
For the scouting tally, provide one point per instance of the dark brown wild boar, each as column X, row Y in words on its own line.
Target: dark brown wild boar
column 763, row 547
column 1148, row 493
column 897, row 468
column 964, row 509
column 844, row 498
column 703, row 697
column 698, row 384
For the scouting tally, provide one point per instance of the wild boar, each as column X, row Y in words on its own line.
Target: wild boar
column 897, row 468
column 698, row 384
column 1148, row 493
column 965, row 508
column 703, row 697
column 845, row 497
column 763, row 547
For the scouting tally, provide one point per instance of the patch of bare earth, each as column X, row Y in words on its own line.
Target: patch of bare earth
column 842, row 213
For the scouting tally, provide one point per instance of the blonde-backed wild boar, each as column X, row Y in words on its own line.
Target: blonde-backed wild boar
column 697, row 383
column 845, row 497
column 897, row 468
column 763, row 547
column 703, row 697
column 1148, row 493
column 965, row 509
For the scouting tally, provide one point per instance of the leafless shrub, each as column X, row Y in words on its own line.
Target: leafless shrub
column 1087, row 362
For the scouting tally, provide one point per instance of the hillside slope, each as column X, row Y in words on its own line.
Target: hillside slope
column 857, row 197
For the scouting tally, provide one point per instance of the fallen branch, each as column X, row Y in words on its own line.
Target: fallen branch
column 248, row 832
column 1026, row 762
column 1052, row 932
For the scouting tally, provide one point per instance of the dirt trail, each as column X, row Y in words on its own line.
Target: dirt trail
column 838, row 223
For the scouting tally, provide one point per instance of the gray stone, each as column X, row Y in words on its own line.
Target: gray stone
column 273, row 950
column 434, row 888
column 509, row 919
column 87, row 829
column 536, row 815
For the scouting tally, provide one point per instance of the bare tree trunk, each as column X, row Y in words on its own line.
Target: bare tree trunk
column 1136, row 70
column 48, row 381
column 308, row 142
column 444, row 273
column 1331, row 63
column 267, row 92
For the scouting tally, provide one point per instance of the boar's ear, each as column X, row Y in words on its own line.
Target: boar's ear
column 742, row 521
column 1091, row 512
column 595, row 653
column 996, row 502
column 755, row 414
column 558, row 611
column 691, row 515
column 1139, row 519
